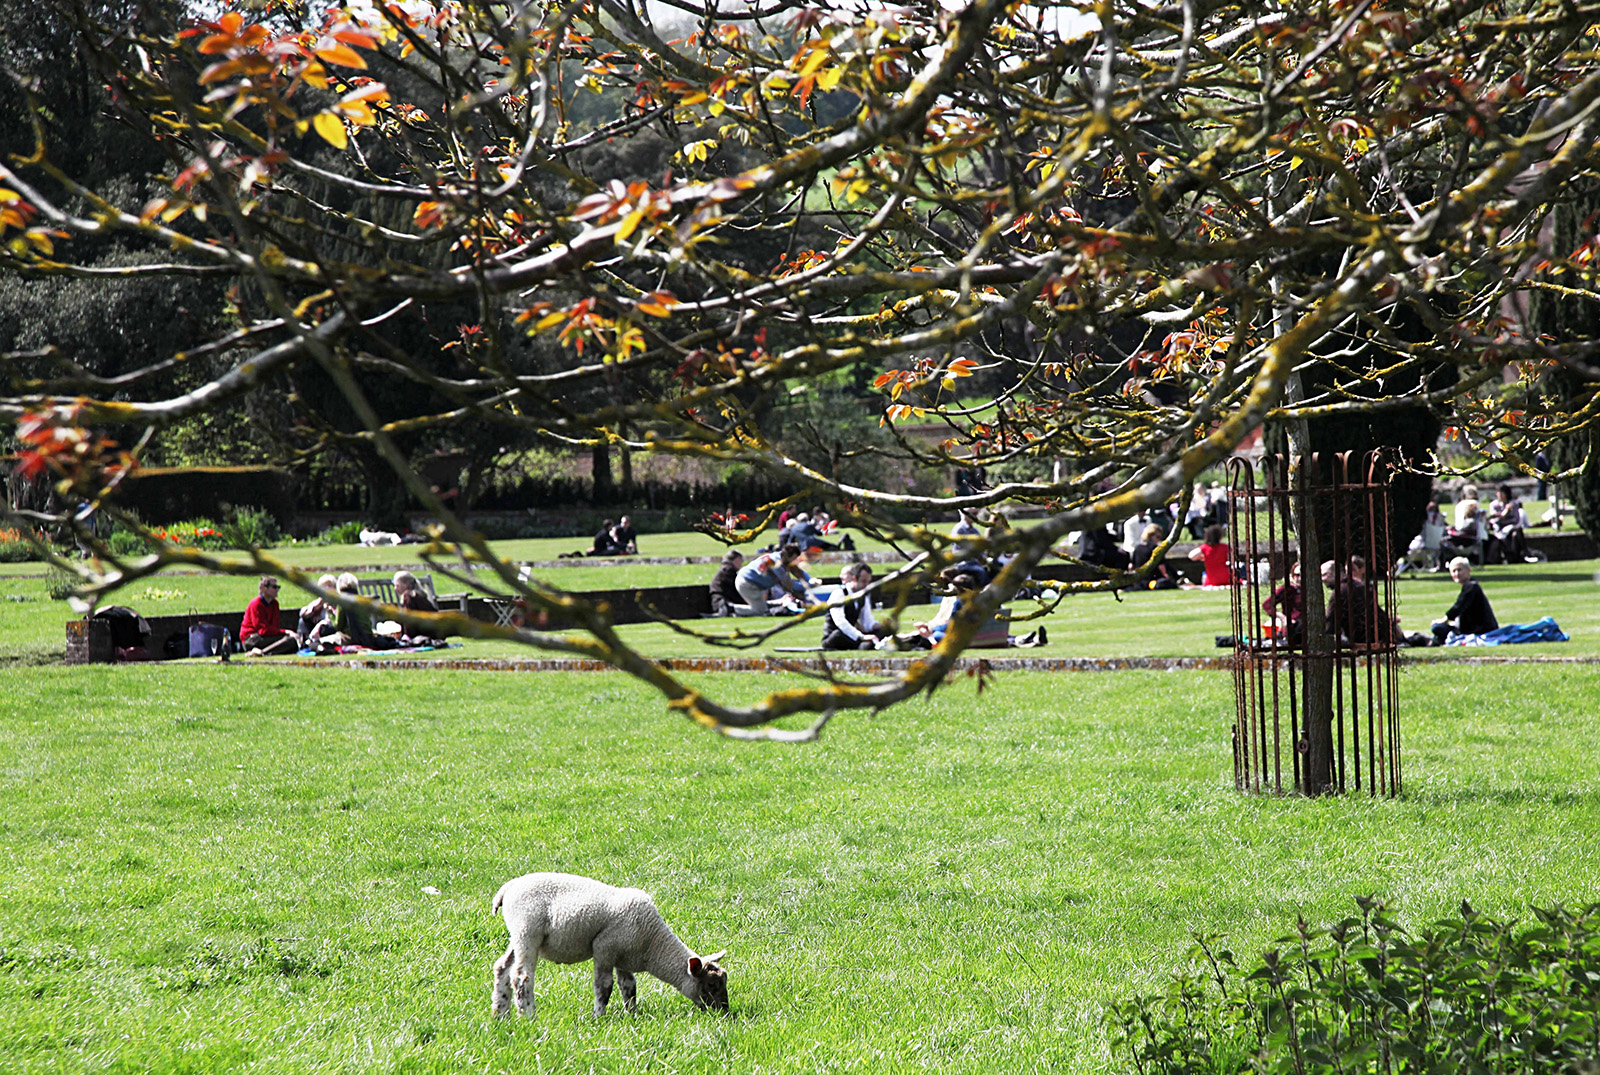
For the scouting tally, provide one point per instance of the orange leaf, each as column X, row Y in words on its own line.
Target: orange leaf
column 658, row 304
column 428, row 214
column 359, row 38
column 343, row 55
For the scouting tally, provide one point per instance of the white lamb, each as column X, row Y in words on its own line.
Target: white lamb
column 569, row 919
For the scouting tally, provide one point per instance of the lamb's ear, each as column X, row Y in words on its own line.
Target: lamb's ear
column 716, row 958
column 697, row 969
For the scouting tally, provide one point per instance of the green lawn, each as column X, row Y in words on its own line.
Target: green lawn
column 1138, row 624
column 244, row 867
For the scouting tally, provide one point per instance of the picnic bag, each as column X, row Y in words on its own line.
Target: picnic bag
column 209, row 640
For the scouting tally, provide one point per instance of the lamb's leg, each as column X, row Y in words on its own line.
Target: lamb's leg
column 602, row 986
column 629, row 987
column 522, row 980
column 500, row 1002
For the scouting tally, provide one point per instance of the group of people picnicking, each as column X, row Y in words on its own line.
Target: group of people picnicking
column 1496, row 534
column 323, row 626
column 1354, row 614
column 776, row 582
column 612, row 539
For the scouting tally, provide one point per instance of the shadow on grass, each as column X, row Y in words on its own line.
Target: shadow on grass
column 1558, row 799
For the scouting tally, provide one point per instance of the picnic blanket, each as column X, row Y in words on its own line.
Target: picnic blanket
column 1544, row 630
column 311, row 651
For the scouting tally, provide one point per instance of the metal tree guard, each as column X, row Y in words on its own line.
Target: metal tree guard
column 1271, row 662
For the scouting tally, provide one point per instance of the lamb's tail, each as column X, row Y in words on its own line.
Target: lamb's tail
column 499, row 898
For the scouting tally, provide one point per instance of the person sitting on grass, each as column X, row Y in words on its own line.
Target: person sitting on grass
column 604, row 544
column 1507, row 543
column 1471, row 614
column 260, row 634
column 804, row 532
column 960, row 586
column 409, row 594
column 624, row 539
column 1098, row 548
column 353, row 627
column 770, row 571
column 850, row 626
column 316, row 616
column 1217, row 557
column 1287, row 606
column 725, row 599
column 1161, row 576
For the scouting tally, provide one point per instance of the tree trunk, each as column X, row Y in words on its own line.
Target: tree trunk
column 1317, row 696
column 604, row 489
column 1316, row 699
column 387, row 498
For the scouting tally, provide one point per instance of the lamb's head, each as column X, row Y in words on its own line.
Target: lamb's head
column 710, row 980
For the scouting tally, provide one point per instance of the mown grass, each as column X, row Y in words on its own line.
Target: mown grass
column 228, row 867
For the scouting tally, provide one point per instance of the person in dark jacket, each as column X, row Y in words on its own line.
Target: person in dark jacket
column 724, row 594
column 605, row 544
column 1471, row 614
column 1161, row 576
column 1096, row 546
column 850, row 626
column 624, row 539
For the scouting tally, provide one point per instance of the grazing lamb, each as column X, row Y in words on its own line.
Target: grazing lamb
column 570, row 919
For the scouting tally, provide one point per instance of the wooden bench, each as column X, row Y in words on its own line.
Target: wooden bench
column 382, row 589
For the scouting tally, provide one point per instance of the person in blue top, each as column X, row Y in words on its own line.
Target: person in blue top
column 959, row 586
column 780, row 569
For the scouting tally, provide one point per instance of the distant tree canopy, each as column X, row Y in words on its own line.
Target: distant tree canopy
column 1114, row 239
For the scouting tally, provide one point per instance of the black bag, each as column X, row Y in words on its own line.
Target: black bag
column 209, row 640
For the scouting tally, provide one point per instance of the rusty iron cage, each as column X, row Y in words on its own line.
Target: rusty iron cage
column 1273, row 657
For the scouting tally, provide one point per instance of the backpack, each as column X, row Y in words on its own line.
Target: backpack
column 128, row 628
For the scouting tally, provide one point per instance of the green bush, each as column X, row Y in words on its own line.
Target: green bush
column 1465, row 994
column 16, row 552
column 59, row 583
column 347, row 533
column 126, row 543
column 251, row 528
column 15, row 549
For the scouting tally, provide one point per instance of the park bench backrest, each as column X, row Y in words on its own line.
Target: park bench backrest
column 383, row 589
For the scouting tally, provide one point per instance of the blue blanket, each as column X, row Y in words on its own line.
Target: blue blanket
column 1544, row 630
